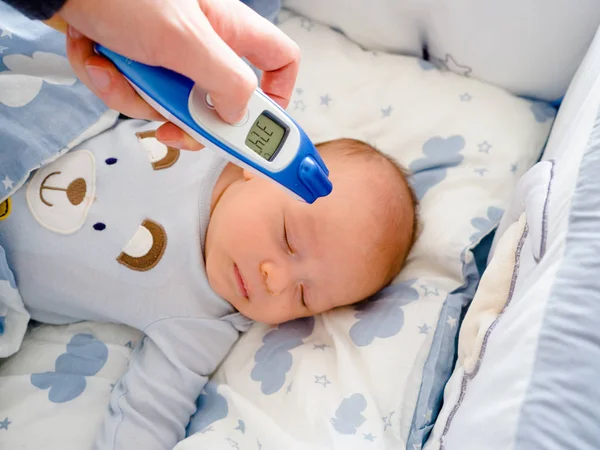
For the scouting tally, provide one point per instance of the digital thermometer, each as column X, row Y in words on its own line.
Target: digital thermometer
column 266, row 141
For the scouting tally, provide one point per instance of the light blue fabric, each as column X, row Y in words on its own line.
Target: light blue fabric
column 560, row 410
column 43, row 107
column 71, row 263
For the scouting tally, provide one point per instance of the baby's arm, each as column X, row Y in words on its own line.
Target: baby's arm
column 151, row 404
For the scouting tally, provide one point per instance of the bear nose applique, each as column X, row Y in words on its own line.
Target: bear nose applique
column 75, row 191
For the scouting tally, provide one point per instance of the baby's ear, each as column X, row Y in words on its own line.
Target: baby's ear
column 247, row 174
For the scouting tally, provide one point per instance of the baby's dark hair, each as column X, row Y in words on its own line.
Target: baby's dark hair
column 353, row 148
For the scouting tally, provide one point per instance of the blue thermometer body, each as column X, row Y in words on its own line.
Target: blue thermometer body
column 266, row 141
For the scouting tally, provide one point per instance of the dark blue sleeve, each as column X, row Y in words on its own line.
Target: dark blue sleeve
column 36, row 9
column 44, row 9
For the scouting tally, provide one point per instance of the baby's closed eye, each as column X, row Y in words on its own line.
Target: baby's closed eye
column 302, row 298
column 286, row 239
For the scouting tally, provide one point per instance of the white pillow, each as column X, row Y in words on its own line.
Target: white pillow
column 372, row 376
column 531, row 48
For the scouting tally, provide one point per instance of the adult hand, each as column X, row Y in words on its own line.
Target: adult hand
column 201, row 39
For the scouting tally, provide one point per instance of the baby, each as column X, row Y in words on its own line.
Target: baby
column 190, row 249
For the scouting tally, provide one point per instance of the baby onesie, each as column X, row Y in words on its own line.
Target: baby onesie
column 114, row 231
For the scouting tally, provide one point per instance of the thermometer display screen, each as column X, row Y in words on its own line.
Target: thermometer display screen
column 266, row 136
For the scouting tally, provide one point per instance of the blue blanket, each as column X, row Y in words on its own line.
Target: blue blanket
column 43, row 107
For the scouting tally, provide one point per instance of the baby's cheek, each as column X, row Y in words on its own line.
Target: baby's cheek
column 232, row 230
column 244, row 222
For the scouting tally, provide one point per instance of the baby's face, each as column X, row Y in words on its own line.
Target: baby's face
column 275, row 258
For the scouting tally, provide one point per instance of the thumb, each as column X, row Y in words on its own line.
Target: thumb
column 197, row 51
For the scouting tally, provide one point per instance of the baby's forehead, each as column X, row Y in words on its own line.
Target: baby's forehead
column 369, row 184
column 371, row 180
column 350, row 212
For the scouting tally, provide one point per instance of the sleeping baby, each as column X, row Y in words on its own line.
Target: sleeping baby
column 190, row 250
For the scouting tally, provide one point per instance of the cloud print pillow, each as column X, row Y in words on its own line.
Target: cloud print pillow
column 372, row 375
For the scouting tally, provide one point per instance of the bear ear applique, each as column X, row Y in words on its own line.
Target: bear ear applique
column 146, row 248
column 60, row 194
column 160, row 155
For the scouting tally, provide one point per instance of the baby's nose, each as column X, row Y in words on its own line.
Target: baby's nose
column 275, row 278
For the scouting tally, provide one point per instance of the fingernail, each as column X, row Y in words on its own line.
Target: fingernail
column 99, row 77
column 73, row 33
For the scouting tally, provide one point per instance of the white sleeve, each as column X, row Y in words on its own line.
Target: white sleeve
column 151, row 404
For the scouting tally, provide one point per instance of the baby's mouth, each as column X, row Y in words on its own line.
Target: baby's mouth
column 241, row 284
